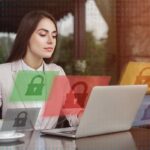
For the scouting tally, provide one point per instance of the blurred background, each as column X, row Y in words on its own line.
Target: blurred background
column 96, row 37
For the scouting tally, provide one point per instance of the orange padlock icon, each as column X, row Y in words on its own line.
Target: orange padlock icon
column 143, row 79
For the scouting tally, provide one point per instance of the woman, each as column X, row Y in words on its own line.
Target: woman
column 32, row 50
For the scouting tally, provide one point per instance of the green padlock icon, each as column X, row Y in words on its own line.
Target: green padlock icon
column 34, row 88
column 20, row 120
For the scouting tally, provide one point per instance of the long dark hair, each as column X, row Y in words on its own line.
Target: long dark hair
column 27, row 26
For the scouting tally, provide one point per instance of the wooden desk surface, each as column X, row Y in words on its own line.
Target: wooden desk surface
column 136, row 139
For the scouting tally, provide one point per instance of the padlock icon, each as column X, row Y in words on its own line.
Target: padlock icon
column 21, row 119
column 146, row 115
column 79, row 98
column 71, row 101
column 143, row 79
column 35, row 88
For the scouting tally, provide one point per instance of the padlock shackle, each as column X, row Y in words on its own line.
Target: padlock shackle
column 22, row 116
column 85, row 87
column 35, row 77
column 141, row 72
column 22, row 112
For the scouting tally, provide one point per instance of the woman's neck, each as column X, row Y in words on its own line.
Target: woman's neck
column 33, row 61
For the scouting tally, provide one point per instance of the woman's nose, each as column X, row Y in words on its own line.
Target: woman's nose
column 50, row 39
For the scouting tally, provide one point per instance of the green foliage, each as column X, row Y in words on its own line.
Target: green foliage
column 2, row 58
column 64, row 54
column 95, row 55
column 65, row 51
column 5, row 46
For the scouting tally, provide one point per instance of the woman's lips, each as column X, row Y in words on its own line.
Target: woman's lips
column 50, row 49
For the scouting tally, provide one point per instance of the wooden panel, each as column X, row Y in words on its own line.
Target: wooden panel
column 133, row 30
column 12, row 11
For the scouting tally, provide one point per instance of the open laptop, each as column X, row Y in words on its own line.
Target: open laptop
column 109, row 109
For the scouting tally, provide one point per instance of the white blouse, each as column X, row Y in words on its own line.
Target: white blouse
column 41, row 123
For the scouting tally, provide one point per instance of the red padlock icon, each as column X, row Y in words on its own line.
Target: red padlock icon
column 71, row 101
column 76, row 99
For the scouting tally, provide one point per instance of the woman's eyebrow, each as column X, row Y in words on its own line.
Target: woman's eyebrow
column 43, row 30
column 46, row 30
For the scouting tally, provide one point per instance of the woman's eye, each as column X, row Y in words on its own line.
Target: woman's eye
column 42, row 35
column 54, row 36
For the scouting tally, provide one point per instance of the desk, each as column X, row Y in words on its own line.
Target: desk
column 136, row 139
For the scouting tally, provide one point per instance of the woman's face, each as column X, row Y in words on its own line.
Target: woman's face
column 43, row 40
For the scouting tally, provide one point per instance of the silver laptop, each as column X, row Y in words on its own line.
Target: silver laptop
column 109, row 109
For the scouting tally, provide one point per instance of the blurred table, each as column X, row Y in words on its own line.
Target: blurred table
column 135, row 139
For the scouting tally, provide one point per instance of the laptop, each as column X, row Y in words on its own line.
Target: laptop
column 20, row 119
column 109, row 109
